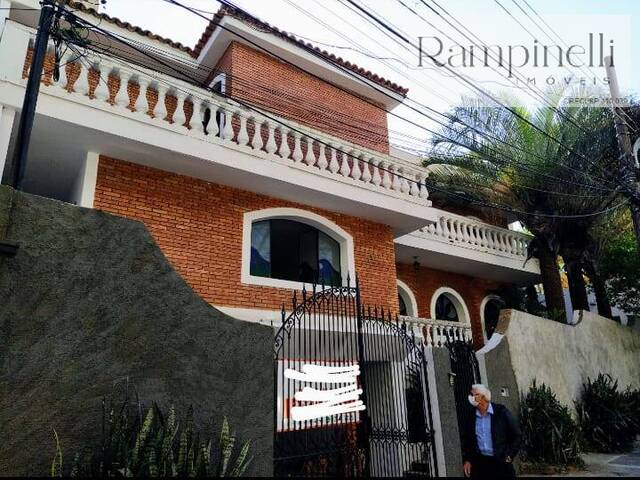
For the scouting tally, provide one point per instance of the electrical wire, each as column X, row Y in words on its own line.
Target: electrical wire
column 382, row 169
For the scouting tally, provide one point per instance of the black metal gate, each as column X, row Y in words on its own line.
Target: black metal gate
column 392, row 435
column 464, row 366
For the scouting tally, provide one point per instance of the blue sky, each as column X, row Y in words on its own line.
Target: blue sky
column 340, row 30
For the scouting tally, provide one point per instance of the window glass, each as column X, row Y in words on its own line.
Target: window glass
column 446, row 310
column 328, row 260
column 289, row 250
column 261, row 249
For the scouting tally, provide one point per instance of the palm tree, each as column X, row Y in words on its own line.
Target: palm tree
column 491, row 156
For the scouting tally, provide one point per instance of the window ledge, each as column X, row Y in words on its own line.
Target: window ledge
column 278, row 283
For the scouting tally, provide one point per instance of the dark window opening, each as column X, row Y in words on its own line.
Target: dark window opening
column 446, row 310
column 491, row 315
column 402, row 304
column 289, row 250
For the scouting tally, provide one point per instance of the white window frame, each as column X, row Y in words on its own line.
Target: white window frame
column 458, row 302
column 344, row 239
column 483, row 304
column 409, row 298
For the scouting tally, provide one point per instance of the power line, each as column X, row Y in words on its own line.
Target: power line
column 294, row 129
column 394, row 114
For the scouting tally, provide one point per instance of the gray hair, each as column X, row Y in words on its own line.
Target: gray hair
column 482, row 390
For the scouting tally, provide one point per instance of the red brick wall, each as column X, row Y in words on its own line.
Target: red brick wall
column 425, row 281
column 198, row 226
column 264, row 81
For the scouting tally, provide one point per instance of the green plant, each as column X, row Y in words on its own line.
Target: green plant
column 606, row 415
column 550, row 435
column 144, row 442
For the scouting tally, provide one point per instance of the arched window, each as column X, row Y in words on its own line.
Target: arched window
column 406, row 300
column 291, row 250
column 490, row 313
column 288, row 247
column 448, row 305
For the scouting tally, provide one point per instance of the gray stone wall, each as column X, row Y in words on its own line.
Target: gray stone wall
column 90, row 300
column 564, row 356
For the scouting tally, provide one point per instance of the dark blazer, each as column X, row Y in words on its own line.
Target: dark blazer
column 505, row 434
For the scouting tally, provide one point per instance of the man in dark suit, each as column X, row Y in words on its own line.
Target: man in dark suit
column 491, row 438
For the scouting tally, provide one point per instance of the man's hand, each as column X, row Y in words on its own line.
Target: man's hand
column 467, row 469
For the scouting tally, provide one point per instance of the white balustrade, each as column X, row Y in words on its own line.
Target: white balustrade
column 214, row 119
column 466, row 232
column 436, row 333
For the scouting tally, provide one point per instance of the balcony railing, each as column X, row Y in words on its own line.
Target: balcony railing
column 174, row 104
column 465, row 232
column 436, row 333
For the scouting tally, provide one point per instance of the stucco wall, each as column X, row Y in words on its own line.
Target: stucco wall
column 564, row 356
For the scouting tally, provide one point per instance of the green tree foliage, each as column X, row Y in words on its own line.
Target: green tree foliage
column 490, row 156
column 550, row 435
column 620, row 265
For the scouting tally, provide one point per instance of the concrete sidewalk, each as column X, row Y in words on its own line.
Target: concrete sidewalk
column 610, row 465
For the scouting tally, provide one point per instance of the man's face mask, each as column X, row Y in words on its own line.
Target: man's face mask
column 472, row 401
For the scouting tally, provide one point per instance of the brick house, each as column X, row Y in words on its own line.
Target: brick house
column 286, row 179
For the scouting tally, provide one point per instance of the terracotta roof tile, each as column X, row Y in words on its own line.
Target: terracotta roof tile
column 259, row 24
column 249, row 19
column 127, row 26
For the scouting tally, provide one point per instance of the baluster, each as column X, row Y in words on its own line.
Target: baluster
column 160, row 109
column 271, row 146
column 334, row 166
column 256, row 139
column 376, row 179
column 285, row 151
column 142, row 104
column 426, row 333
column 199, row 112
column 102, row 87
column 310, row 156
column 227, row 130
column 366, row 170
column 297, row 147
column 414, row 190
column 395, row 185
column 356, row 171
column 424, row 193
column 81, row 85
column 386, row 177
column 179, row 117
column 122, row 95
column 344, row 167
column 243, row 135
column 464, row 227
column 404, row 184
column 214, row 126
column 65, row 70
column 322, row 157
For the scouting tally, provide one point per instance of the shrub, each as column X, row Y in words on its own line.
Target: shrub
column 144, row 442
column 606, row 416
column 550, row 435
